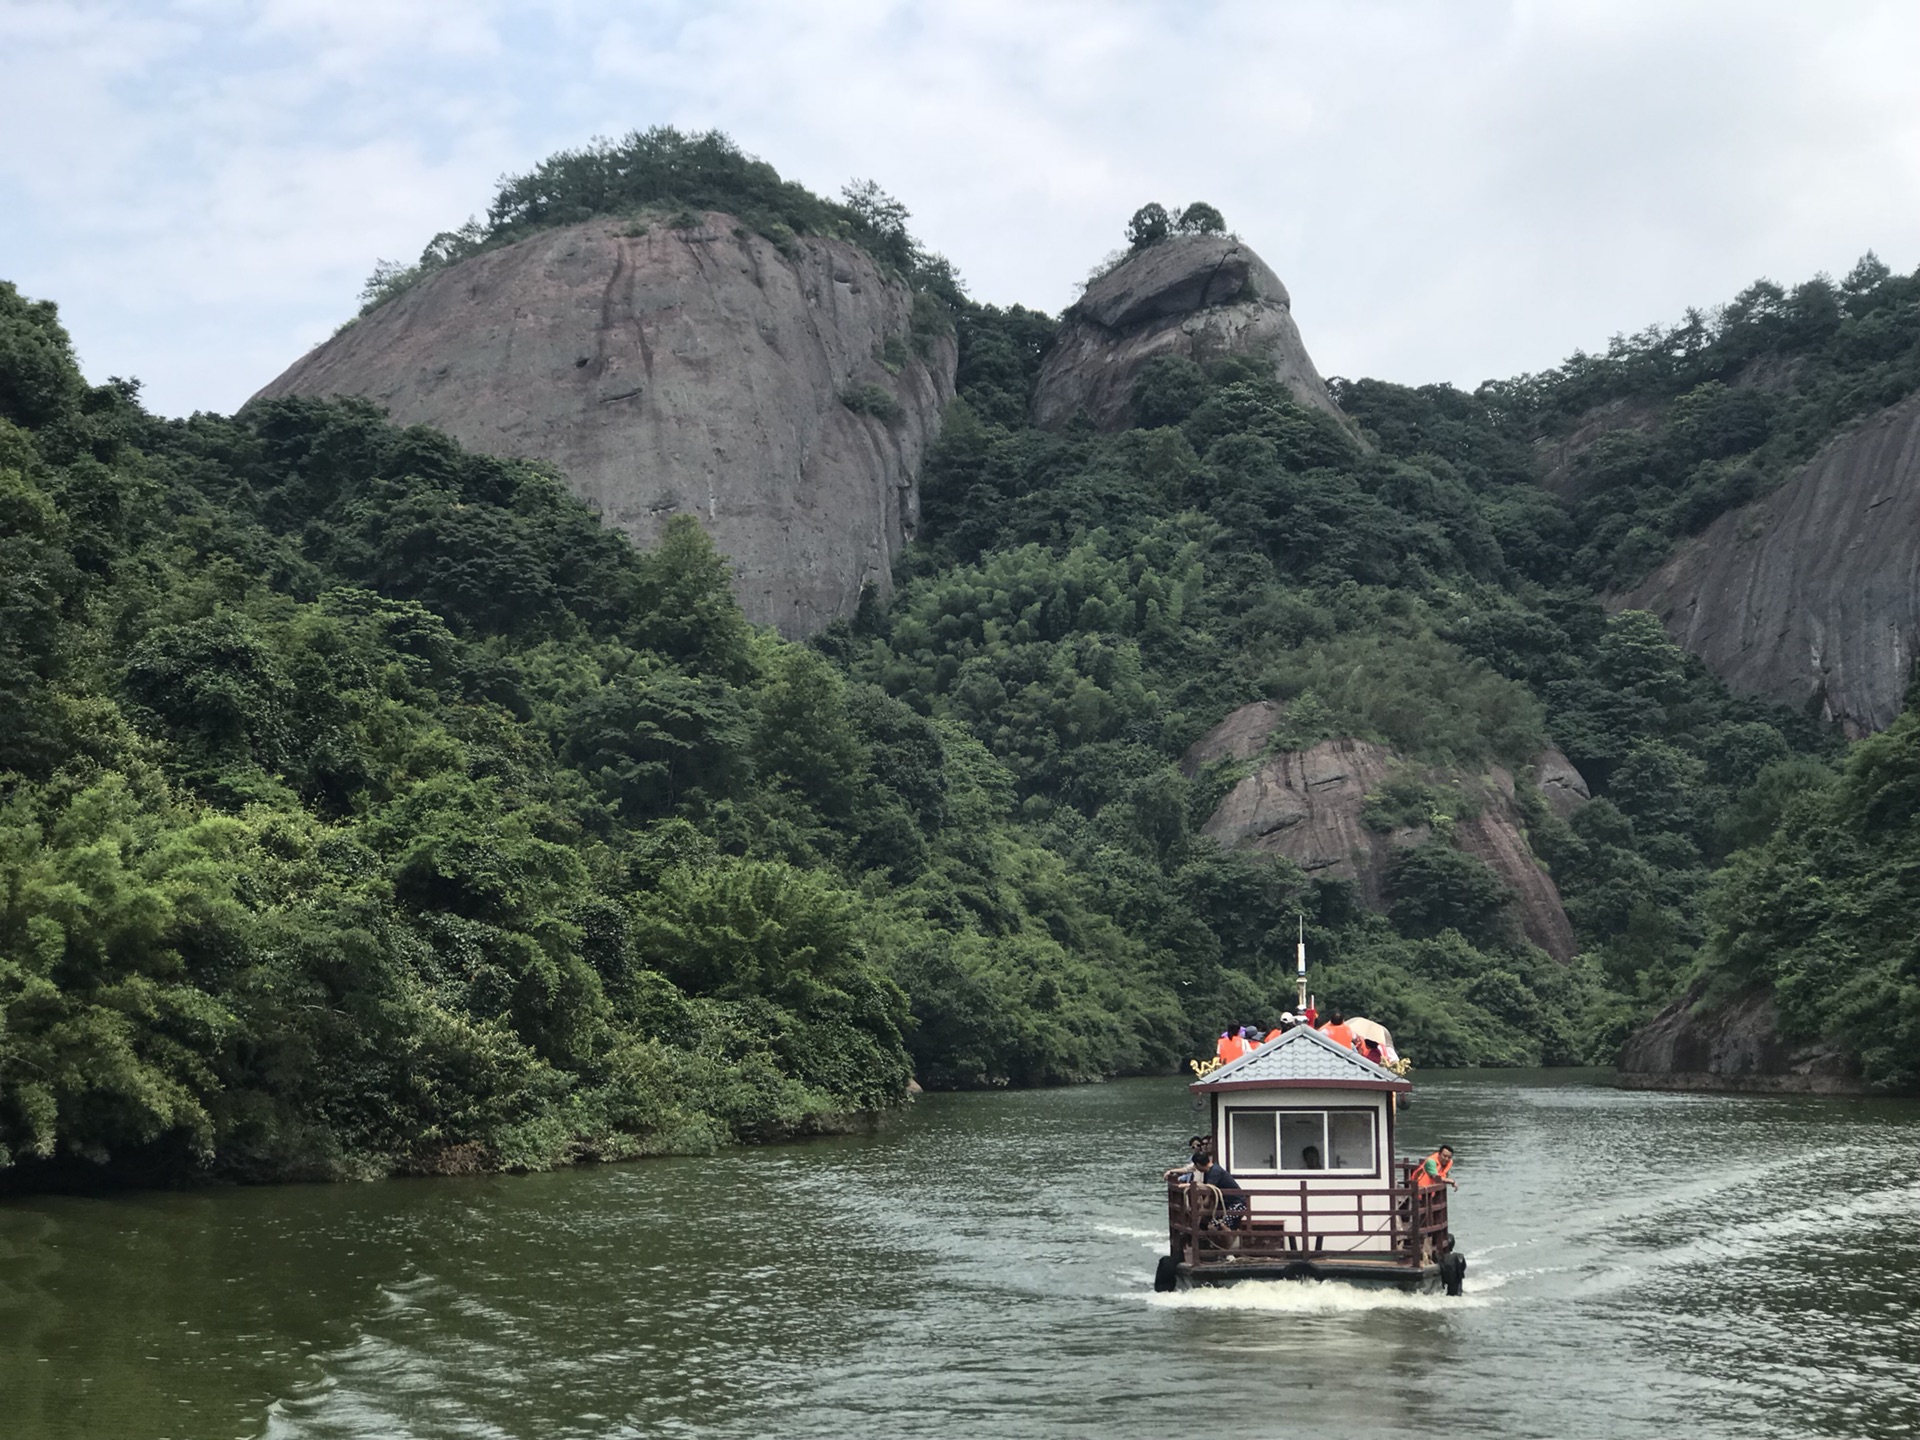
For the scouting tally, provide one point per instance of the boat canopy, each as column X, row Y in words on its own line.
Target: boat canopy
column 1302, row 1059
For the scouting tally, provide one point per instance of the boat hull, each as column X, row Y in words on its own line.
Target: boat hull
column 1411, row 1279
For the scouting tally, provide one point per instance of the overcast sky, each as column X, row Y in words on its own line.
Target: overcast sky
column 1450, row 191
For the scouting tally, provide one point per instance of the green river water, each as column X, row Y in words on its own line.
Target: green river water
column 1642, row 1265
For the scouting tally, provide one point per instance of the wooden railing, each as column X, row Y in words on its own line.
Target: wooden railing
column 1280, row 1221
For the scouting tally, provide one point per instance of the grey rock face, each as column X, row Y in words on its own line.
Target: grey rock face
column 1562, row 786
column 1735, row 1045
column 1241, row 736
column 681, row 370
column 1202, row 297
column 1306, row 805
column 1498, row 837
column 1811, row 593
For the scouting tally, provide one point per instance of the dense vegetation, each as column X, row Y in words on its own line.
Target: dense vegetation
column 665, row 175
column 1823, row 912
column 1676, row 425
column 1814, row 896
column 366, row 806
column 1087, row 604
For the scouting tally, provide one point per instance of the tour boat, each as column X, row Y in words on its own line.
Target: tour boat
column 1305, row 1126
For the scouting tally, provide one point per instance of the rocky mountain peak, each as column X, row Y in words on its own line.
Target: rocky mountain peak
column 777, row 391
column 1200, row 297
column 1178, row 276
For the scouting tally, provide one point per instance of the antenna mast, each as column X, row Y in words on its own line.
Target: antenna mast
column 1301, row 954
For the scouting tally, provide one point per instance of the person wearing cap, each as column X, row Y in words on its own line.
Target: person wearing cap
column 1287, row 1021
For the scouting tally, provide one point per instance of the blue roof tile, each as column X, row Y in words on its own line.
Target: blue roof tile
column 1301, row 1056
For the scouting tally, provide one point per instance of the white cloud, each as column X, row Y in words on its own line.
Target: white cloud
column 1451, row 192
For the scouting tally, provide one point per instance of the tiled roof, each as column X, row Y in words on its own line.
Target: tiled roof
column 1301, row 1056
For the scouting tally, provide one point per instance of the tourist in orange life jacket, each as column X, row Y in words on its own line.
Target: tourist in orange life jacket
column 1336, row 1029
column 1436, row 1169
column 1231, row 1046
column 1287, row 1022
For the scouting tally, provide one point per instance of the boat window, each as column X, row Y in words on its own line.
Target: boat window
column 1252, row 1139
column 1301, row 1132
column 1300, row 1141
column 1351, row 1132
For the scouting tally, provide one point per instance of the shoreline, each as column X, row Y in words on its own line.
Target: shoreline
column 1707, row 1082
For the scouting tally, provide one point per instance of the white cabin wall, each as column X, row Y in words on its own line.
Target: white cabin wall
column 1286, row 1197
column 1301, row 1099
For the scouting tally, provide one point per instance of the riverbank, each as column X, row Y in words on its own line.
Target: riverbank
column 72, row 1175
column 1732, row 1044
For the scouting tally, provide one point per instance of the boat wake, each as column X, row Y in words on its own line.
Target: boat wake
column 1134, row 1232
column 1309, row 1297
column 1848, row 1219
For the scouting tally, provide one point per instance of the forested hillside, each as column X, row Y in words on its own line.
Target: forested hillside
column 366, row 806
column 369, row 806
column 1676, row 425
column 1088, row 604
column 1824, row 912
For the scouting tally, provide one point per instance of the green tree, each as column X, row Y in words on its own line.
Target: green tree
column 688, row 611
column 657, row 739
column 751, row 928
column 1200, row 218
column 1166, row 390
column 39, row 381
column 1150, row 223
column 112, row 911
column 1433, row 887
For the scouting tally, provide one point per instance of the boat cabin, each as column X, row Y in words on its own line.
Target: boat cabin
column 1306, row 1126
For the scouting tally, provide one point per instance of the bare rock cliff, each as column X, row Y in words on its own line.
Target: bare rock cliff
column 699, row 370
column 1241, row 736
column 1735, row 1045
column 1306, row 805
column 1562, row 786
column 1201, row 297
column 1498, row 837
column 1812, row 593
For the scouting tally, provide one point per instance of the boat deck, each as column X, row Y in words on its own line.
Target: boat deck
column 1284, row 1231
